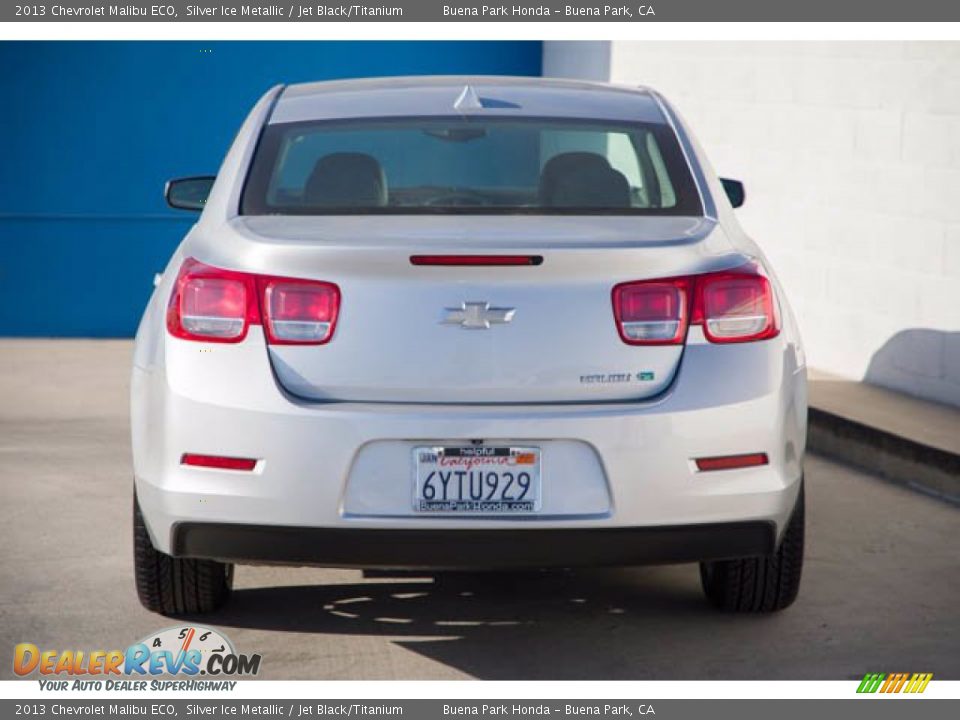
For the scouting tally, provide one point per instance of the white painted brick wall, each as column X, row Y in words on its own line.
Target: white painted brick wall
column 850, row 153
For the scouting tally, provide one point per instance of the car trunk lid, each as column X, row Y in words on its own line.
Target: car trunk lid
column 428, row 333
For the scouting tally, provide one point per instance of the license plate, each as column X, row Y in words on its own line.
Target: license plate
column 477, row 479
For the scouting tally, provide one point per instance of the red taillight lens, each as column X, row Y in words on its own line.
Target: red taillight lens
column 737, row 307
column 651, row 313
column 210, row 304
column 733, row 306
column 218, row 461
column 300, row 312
column 213, row 306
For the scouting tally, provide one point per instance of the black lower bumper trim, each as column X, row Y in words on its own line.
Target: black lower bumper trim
column 419, row 549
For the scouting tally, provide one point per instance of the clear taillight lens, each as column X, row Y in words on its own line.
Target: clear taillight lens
column 651, row 313
column 732, row 306
column 211, row 304
column 299, row 312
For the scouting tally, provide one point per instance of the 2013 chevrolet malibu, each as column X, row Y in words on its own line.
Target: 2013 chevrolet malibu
column 458, row 322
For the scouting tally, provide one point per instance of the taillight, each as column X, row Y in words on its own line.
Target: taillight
column 210, row 304
column 652, row 313
column 736, row 307
column 732, row 306
column 299, row 312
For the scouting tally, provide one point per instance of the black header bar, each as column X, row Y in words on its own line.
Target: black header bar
column 469, row 11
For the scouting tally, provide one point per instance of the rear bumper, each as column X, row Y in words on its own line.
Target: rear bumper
column 333, row 475
column 473, row 548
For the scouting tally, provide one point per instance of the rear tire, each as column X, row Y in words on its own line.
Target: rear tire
column 759, row 584
column 176, row 586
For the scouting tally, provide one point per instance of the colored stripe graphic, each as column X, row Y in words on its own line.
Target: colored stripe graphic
column 870, row 683
column 894, row 683
column 919, row 682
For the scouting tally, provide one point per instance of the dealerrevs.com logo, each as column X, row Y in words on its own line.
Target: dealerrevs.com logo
column 183, row 651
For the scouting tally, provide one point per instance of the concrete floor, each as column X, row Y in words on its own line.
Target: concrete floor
column 881, row 587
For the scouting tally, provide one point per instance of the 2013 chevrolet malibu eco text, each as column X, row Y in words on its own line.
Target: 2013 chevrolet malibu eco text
column 462, row 323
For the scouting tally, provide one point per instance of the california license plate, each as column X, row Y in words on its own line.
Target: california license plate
column 477, row 479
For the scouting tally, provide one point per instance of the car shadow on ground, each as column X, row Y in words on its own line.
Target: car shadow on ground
column 597, row 624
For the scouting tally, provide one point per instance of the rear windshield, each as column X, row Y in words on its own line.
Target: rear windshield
column 469, row 166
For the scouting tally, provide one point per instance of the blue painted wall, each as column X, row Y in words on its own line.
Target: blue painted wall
column 92, row 130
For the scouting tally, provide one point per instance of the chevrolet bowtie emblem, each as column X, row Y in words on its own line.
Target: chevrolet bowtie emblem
column 477, row 315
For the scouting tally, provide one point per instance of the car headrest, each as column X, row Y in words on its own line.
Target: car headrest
column 346, row 179
column 582, row 179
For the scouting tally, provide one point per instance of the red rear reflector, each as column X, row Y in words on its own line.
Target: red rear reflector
column 731, row 462
column 476, row 260
column 217, row 461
